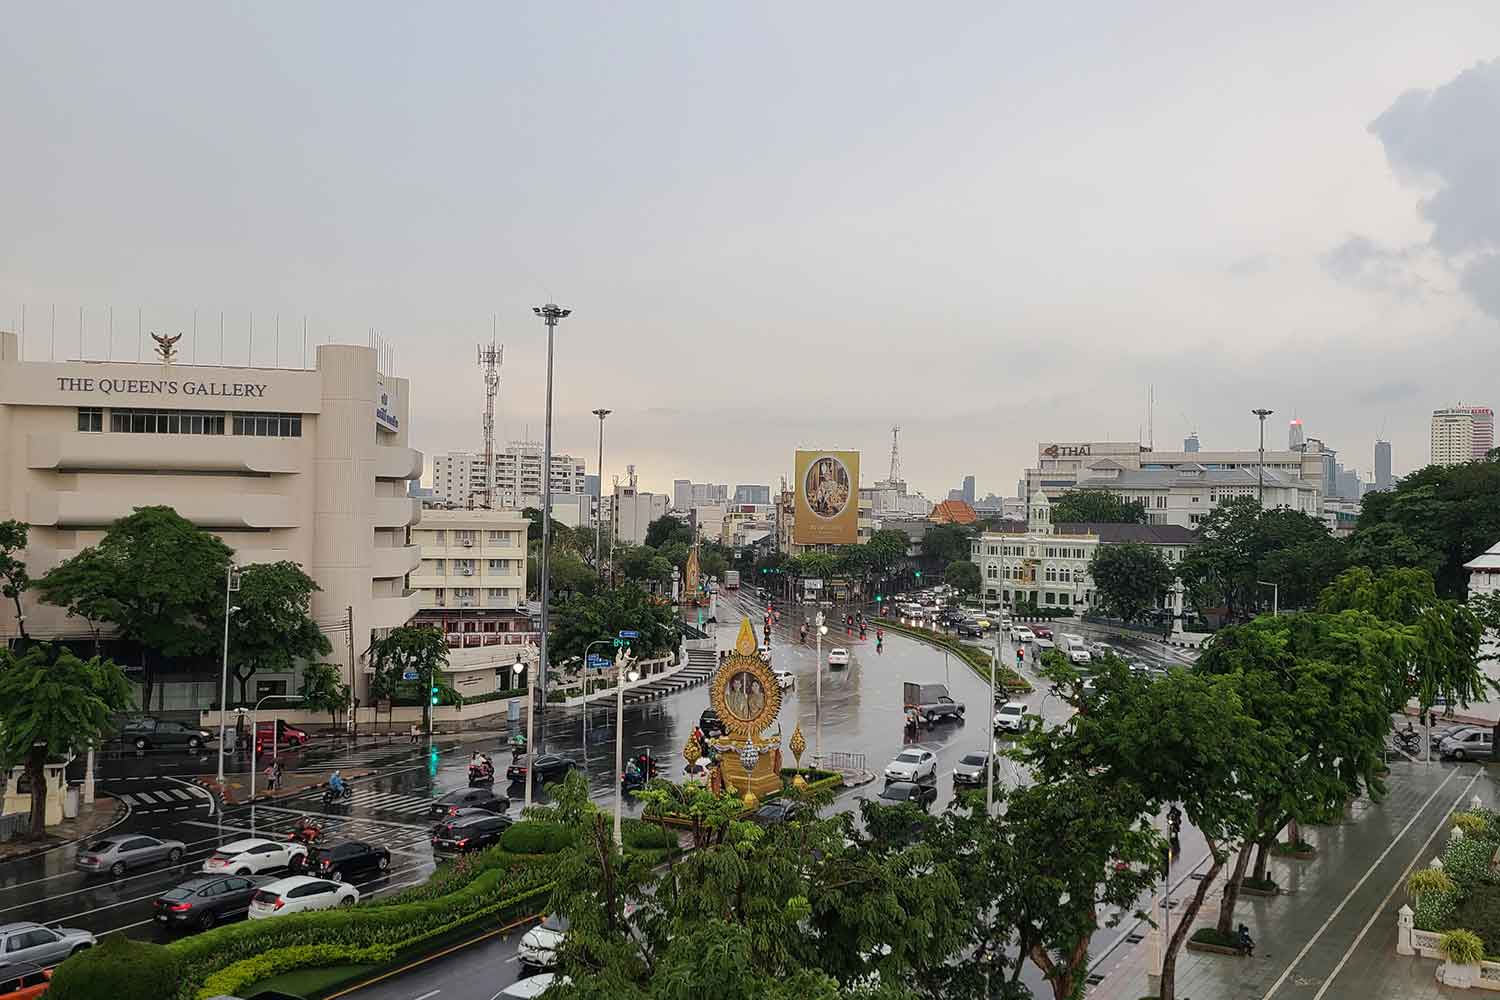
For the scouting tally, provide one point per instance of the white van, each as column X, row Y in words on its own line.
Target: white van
column 1077, row 651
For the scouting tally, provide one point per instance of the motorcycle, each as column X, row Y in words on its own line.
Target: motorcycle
column 517, row 745
column 331, row 796
column 305, row 834
column 632, row 780
column 482, row 773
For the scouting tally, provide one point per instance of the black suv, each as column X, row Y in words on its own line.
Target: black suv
column 143, row 734
column 549, row 767
column 472, row 832
column 711, row 724
column 468, row 798
column 340, row 862
column 201, row 902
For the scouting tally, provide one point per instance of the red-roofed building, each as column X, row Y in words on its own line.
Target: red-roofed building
column 953, row 512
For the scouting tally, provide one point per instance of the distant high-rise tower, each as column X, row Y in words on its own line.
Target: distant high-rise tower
column 969, row 490
column 1383, row 478
column 1190, row 443
column 1462, row 434
column 1294, row 438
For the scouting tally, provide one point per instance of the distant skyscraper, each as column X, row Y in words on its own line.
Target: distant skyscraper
column 1383, row 478
column 969, row 490
column 752, row 494
column 682, row 494
column 1190, row 443
column 591, row 485
column 1462, row 434
column 1294, row 438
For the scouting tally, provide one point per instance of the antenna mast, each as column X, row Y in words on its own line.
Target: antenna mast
column 490, row 358
column 895, row 476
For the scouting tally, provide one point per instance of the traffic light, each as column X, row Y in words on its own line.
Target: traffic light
column 878, row 598
column 434, row 694
column 919, row 574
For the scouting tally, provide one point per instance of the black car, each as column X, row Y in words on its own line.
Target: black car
column 343, row 862
column 471, row 832
column 146, row 733
column 918, row 793
column 711, row 724
column 969, row 628
column 201, row 902
column 482, row 797
column 549, row 767
column 780, row 811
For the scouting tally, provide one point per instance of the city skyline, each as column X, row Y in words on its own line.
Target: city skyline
column 1125, row 265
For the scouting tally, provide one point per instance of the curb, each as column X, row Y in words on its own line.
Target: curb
column 120, row 815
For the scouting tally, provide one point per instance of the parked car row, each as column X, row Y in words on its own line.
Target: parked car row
column 148, row 733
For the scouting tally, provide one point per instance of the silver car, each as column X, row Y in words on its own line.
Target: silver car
column 120, row 853
column 45, row 946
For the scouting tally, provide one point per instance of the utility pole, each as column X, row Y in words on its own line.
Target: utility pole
column 989, row 758
column 550, row 314
column 349, row 623
column 599, row 500
column 1261, row 469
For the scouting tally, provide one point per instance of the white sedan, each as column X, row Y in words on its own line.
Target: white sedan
column 252, row 856
column 838, row 656
column 1022, row 634
column 785, row 679
column 912, row 765
column 299, row 894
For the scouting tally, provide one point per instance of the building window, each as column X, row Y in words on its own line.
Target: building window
column 285, row 425
column 90, row 418
column 130, row 421
column 1051, row 575
column 991, row 569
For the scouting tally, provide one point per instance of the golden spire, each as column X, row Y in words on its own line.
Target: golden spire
column 745, row 644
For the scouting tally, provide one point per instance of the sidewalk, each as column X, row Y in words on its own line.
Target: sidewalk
column 1332, row 931
column 104, row 812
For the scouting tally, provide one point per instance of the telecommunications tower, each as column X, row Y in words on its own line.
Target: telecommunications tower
column 895, row 476
column 490, row 358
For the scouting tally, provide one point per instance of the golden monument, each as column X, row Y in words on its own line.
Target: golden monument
column 692, row 583
column 746, row 696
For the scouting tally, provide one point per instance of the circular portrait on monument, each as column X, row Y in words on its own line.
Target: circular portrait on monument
column 745, row 696
column 827, row 487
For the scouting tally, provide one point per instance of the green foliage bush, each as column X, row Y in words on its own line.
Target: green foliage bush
column 120, row 968
column 1434, row 910
column 1461, row 947
column 977, row 659
column 1473, row 824
column 532, row 836
column 232, row 980
column 1467, row 862
column 642, row 836
column 1480, row 911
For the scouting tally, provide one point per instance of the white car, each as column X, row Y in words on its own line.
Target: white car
column 1011, row 717
column 538, row 949
column 785, row 678
column 912, row 765
column 1078, row 650
column 531, row 986
column 765, row 652
column 252, row 856
column 299, row 894
column 838, row 656
column 1021, row 633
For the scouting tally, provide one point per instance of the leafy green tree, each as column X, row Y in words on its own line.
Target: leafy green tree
column 815, row 565
column 667, row 529
column 53, row 705
column 945, row 543
column 1240, row 545
column 322, row 690
column 560, row 533
column 157, row 578
column 963, row 576
column 420, row 648
column 642, row 564
column 713, row 564
column 273, row 628
column 13, row 577
column 1437, row 518
column 571, row 575
column 887, row 548
column 1129, row 579
column 582, row 619
column 1098, row 506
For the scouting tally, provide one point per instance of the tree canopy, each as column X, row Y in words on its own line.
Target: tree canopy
column 667, row 529
column 1129, row 579
column 1096, row 505
column 945, row 543
column 13, row 576
column 272, row 629
column 1240, row 545
column 963, row 576
column 583, row 618
column 419, row 648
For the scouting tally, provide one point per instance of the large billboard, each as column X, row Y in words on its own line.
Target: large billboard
column 827, row 498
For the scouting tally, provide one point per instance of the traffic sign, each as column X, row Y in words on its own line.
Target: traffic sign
column 408, row 675
column 599, row 661
column 629, row 633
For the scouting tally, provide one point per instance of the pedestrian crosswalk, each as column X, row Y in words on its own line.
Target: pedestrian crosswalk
column 370, row 799
column 276, row 823
column 372, row 755
column 168, row 798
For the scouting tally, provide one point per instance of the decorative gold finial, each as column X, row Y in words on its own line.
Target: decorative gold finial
column 799, row 783
column 692, row 751
column 745, row 644
column 797, row 744
column 750, row 800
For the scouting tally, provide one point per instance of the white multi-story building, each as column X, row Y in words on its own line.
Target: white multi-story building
column 1462, row 434
column 632, row 512
column 889, row 498
column 309, row 466
column 1047, row 564
column 1185, row 494
column 471, row 559
column 1484, row 572
column 458, row 477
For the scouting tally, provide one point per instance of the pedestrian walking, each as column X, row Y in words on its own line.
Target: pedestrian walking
column 273, row 776
column 415, row 732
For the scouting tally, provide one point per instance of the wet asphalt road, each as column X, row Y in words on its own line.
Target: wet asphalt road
column 861, row 714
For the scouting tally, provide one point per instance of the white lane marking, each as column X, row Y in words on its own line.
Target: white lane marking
column 1401, row 881
column 429, row 993
column 1358, row 885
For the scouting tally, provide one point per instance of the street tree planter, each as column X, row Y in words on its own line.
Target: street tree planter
column 1300, row 851
column 1249, row 887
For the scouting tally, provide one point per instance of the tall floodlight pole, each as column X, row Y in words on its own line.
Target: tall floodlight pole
column 599, row 500
column 1261, row 470
column 231, row 584
column 550, row 313
column 822, row 630
column 989, row 783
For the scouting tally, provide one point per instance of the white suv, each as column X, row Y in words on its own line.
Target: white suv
column 1011, row 717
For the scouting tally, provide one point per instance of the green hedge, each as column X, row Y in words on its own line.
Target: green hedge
column 1480, row 912
column 120, row 968
column 640, row 835
column 479, row 699
column 977, row 659
column 536, row 837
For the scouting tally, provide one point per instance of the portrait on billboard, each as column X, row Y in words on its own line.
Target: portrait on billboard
column 827, row 487
column 746, row 696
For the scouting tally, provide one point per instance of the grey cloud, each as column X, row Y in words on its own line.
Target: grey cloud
column 1363, row 263
column 1389, row 392
column 1247, row 266
column 1446, row 140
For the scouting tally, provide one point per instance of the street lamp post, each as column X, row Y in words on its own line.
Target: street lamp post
column 596, row 642
column 551, row 314
column 1275, row 596
column 599, row 501
column 818, row 692
column 622, row 660
column 530, row 713
column 255, row 732
column 989, row 785
column 1261, row 469
column 231, row 584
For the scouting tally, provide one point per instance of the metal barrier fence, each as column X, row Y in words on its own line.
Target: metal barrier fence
column 840, row 760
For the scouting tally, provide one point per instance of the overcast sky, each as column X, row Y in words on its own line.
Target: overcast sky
column 785, row 225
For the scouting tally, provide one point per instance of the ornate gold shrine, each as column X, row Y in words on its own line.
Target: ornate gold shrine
column 745, row 694
column 692, row 580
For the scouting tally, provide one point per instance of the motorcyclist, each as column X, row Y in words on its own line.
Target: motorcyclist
column 336, row 783
column 1244, row 941
column 802, row 633
column 632, row 772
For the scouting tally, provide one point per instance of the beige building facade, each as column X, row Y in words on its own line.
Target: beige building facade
column 310, row 466
column 471, row 559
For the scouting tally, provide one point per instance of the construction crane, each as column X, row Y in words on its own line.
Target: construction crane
column 490, row 358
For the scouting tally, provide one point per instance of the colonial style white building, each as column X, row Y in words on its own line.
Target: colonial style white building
column 1484, row 572
column 1184, row 495
column 1048, row 564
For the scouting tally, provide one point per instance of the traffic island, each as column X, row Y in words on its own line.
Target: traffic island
column 978, row 660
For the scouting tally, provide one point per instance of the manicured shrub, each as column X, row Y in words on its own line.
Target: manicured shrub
column 1467, row 862
column 1435, row 910
column 643, row 836
column 532, row 836
column 1429, row 880
column 1472, row 824
column 119, row 969
column 1461, row 947
column 1480, row 912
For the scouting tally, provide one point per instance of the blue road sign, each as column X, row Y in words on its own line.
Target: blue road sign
column 599, row 661
column 629, row 633
column 408, row 675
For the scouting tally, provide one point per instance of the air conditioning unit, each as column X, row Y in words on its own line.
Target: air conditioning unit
column 467, row 543
column 466, row 571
